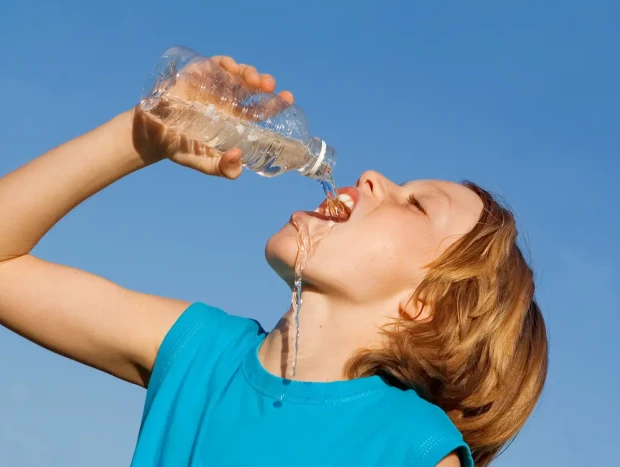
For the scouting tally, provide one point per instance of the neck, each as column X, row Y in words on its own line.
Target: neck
column 330, row 333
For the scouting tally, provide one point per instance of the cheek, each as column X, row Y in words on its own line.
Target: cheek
column 375, row 257
column 367, row 259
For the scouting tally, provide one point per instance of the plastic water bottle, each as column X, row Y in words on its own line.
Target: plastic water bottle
column 192, row 95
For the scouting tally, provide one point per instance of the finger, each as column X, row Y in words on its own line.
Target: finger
column 230, row 165
column 270, row 106
column 250, row 75
column 232, row 156
column 267, row 83
column 212, row 162
column 228, row 63
column 207, row 164
column 287, row 96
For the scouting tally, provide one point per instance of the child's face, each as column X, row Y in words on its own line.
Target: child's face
column 381, row 252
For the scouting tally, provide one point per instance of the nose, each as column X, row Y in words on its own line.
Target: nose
column 373, row 183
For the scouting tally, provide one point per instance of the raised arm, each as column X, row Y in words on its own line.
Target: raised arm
column 72, row 312
column 69, row 311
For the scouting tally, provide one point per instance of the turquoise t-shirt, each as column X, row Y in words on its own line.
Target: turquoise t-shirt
column 211, row 403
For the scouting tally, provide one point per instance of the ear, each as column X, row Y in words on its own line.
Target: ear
column 414, row 309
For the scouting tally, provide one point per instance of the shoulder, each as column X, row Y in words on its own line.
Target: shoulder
column 428, row 418
column 206, row 333
column 202, row 324
column 429, row 434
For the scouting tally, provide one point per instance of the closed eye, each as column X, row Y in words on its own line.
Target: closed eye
column 414, row 201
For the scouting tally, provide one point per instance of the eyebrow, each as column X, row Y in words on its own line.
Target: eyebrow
column 442, row 194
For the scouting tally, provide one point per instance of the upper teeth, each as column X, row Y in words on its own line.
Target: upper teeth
column 347, row 200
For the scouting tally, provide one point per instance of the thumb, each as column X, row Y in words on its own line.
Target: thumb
column 210, row 161
column 230, row 165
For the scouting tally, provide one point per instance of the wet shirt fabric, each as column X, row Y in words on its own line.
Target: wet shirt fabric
column 211, row 403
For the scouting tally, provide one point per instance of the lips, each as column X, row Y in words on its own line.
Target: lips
column 351, row 193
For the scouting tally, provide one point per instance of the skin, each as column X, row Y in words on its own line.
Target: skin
column 92, row 320
column 345, row 301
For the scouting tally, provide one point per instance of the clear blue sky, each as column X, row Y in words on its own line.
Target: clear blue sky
column 521, row 97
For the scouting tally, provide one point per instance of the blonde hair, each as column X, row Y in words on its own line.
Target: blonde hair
column 482, row 357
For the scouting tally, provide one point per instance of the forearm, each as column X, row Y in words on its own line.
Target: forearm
column 36, row 196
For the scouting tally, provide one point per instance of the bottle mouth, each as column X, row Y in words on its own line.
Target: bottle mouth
column 323, row 162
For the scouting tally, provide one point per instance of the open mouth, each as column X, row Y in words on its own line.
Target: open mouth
column 338, row 209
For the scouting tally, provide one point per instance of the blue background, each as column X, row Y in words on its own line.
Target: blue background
column 521, row 97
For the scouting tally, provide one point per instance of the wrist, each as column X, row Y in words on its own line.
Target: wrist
column 122, row 132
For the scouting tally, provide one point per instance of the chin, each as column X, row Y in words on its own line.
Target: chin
column 281, row 252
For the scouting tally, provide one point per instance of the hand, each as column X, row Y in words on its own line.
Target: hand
column 154, row 142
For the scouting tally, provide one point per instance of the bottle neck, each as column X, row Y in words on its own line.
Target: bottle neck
column 321, row 160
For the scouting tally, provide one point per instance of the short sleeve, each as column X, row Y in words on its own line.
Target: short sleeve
column 435, row 449
column 435, row 437
column 200, row 329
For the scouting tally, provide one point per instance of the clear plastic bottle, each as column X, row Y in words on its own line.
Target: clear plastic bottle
column 191, row 94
